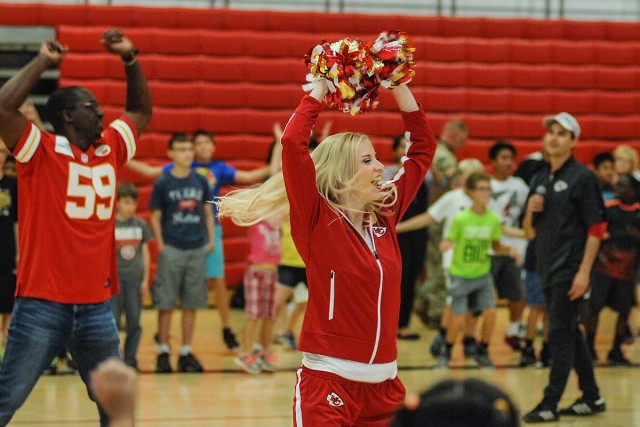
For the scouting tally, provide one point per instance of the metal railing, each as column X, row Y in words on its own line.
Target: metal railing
column 616, row 10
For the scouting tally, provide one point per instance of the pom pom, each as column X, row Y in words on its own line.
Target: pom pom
column 355, row 71
column 394, row 58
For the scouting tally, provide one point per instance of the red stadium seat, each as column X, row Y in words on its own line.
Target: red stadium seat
column 530, row 101
column 573, row 52
column 234, row 273
column 144, row 195
column 236, row 248
column 488, row 50
column 530, row 51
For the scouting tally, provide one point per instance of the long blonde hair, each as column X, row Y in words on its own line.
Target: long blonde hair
column 336, row 165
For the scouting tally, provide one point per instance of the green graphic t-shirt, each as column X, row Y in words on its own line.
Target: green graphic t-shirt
column 472, row 235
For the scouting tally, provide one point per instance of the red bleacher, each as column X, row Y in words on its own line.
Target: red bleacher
column 236, row 72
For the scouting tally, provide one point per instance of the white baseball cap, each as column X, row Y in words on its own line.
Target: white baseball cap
column 566, row 120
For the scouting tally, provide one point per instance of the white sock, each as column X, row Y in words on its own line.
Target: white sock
column 186, row 349
column 513, row 329
column 164, row 348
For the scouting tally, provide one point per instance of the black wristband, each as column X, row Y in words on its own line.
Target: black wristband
column 130, row 59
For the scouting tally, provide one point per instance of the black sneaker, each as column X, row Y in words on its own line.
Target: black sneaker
column 583, row 407
column 163, row 366
column 230, row 339
column 528, row 358
column 541, row 414
column 470, row 347
column 616, row 358
column 189, row 363
column 437, row 345
column 482, row 358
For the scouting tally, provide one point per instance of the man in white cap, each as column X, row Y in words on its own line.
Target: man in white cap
column 566, row 215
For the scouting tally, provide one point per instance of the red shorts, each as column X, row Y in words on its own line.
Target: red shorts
column 259, row 292
column 326, row 399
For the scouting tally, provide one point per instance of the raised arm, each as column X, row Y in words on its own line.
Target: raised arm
column 14, row 92
column 144, row 169
column 138, row 106
column 404, row 98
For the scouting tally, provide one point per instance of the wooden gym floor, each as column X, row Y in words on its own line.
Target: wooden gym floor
column 226, row 396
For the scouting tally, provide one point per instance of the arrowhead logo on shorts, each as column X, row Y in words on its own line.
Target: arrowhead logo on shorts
column 334, row 400
column 379, row 231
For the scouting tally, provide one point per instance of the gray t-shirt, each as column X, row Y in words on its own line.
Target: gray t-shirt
column 131, row 234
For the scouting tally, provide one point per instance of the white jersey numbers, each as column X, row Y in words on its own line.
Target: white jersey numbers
column 85, row 182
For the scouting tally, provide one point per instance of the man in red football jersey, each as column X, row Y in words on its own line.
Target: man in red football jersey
column 67, row 268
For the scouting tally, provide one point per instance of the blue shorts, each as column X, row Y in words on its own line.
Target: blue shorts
column 535, row 295
column 215, row 260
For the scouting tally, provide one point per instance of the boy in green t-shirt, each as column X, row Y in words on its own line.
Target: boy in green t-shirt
column 473, row 232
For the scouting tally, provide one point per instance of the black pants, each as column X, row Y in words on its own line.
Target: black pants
column 413, row 248
column 568, row 347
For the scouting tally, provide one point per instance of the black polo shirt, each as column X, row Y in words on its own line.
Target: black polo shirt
column 573, row 203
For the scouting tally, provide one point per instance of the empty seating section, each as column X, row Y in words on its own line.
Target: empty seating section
column 236, row 73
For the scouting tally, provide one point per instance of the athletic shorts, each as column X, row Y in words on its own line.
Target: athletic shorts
column 535, row 295
column 215, row 260
column 7, row 292
column 614, row 293
column 259, row 292
column 180, row 280
column 471, row 294
column 328, row 400
column 291, row 276
column 507, row 277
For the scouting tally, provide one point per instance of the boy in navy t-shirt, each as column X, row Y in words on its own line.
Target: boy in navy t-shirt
column 182, row 221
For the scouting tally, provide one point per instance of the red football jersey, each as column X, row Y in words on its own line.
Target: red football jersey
column 66, row 215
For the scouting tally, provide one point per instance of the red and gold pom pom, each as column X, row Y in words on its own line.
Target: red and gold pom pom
column 394, row 58
column 354, row 71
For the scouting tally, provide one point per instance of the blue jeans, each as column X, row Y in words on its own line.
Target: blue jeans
column 39, row 330
column 129, row 301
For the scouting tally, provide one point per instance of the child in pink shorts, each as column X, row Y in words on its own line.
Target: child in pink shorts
column 259, row 292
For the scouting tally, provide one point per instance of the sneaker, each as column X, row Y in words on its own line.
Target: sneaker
column 437, row 345
column 230, row 339
column 616, row 358
column 470, row 347
column 249, row 363
column 289, row 340
column 53, row 368
column 541, row 414
column 513, row 342
column 583, row 407
column 162, row 365
column 483, row 360
column 443, row 360
column 189, row 363
column 528, row 358
column 266, row 361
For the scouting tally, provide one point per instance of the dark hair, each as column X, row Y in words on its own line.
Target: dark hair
column 501, row 144
column 126, row 189
column 202, row 132
column 178, row 137
column 461, row 403
column 9, row 159
column 62, row 99
column 474, row 178
column 600, row 158
column 397, row 140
